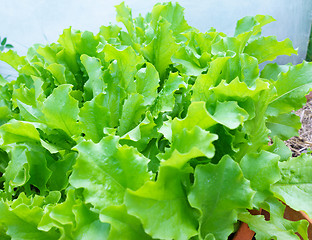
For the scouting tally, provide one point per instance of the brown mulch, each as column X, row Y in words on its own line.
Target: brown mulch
column 303, row 143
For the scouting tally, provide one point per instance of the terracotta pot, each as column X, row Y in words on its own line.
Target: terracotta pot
column 245, row 233
column 309, row 96
column 294, row 215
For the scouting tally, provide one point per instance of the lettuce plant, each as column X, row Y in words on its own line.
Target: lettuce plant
column 4, row 46
column 153, row 131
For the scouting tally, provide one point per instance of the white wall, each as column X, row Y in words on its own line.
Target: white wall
column 26, row 22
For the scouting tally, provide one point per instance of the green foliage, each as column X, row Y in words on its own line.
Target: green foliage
column 226, row 181
column 309, row 51
column 154, row 131
column 4, row 45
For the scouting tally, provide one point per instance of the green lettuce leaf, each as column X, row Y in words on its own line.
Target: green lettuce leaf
column 225, row 113
column 272, row 70
column 187, row 62
column 165, row 100
column 262, row 170
column 13, row 59
column 95, row 85
column 61, row 110
column 18, row 132
column 205, row 81
column 124, row 15
column 237, row 90
column 173, row 13
column 105, row 170
column 250, row 27
column 277, row 227
column 61, row 74
column 147, row 83
column 162, row 48
column 125, row 69
column 187, row 144
column 122, row 225
column 74, row 220
column 132, row 113
column 94, row 117
column 279, row 147
column 220, row 192
column 268, row 48
column 166, row 195
column 28, row 165
column 21, row 218
column 61, row 170
column 295, row 181
column 142, row 134
column 284, row 126
column 291, row 88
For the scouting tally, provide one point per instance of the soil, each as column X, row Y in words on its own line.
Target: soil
column 303, row 142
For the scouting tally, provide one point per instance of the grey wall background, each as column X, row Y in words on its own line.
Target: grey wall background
column 26, row 22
